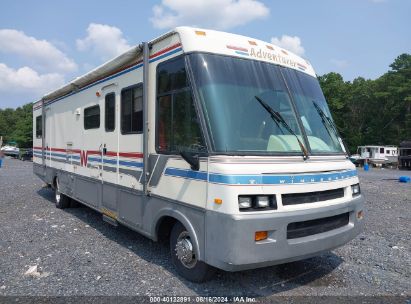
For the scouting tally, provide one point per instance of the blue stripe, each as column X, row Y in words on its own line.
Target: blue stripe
column 110, row 161
column 94, row 159
column 190, row 174
column 260, row 179
column 130, row 164
column 166, row 54
column 242, row 53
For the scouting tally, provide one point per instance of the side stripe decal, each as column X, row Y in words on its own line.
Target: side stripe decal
column 261, row 179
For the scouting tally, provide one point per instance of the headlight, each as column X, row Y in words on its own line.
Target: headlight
column 262, row 201
column 245, row 202
column 257, row 202
column 355, row 189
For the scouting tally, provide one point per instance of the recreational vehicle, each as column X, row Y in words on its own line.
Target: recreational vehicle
column 222, row 144
column 377, row 155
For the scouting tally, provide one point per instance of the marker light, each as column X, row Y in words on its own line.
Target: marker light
column 244, row 202
column 200, row 33
column 355, row 189
column 360, row 215
column 261, row 235
column 262, row 201
column 218, row 201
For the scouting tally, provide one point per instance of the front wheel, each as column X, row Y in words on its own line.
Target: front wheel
column 62, row 201
column 184, row 257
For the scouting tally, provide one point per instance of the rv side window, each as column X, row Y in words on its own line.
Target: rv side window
column 110, row 112
column 381, row 150
column 92, row 117
column 39, row 128
column 177, row 124
column 132, row 110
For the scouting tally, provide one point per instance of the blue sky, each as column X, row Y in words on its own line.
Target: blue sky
column 45, row 43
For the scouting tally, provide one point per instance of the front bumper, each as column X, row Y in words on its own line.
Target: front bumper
column 230, row 243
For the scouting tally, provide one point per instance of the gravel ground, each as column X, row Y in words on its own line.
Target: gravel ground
column 78, row 254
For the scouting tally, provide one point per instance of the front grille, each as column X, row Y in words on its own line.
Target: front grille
column 306, row 228
column 311, row 197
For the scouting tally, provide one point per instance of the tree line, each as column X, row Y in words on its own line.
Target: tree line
column 365, row 111
column 372, row 112
column 17, row 125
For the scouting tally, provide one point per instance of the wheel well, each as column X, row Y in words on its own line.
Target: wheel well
column 164, row 227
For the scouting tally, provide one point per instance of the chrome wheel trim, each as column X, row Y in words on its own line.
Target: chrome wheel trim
column 185, row 250
column 57, row 193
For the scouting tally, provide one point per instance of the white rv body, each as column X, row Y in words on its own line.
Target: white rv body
column 105, row 170
column 378, row 154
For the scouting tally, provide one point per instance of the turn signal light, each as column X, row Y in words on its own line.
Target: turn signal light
column 360, row 215
column 261, row 235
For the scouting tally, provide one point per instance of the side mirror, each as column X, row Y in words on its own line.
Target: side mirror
column 192, row 159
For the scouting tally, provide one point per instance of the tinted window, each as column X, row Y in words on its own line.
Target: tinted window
column 177, row 124
column 132, row 110
column 39, row 129
column 110, row 110
column 171, row 76
column 92, row 117
column 381, row 150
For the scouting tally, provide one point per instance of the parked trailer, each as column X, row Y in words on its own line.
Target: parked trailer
column 220, row 142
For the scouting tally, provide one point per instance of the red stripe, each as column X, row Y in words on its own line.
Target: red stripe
column 236, row 48
column 131, row 154
column 93, row 152
column 57, row 150
column 165, row 50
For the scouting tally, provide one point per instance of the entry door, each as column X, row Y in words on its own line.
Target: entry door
column 109, row 149
column 48, row 132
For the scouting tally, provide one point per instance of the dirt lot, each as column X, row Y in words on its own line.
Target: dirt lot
column 78, row 254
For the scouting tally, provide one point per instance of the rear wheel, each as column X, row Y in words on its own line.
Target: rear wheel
column 62, row 201
column 184, row 258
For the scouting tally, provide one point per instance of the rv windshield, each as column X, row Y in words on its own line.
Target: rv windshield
column 227, row 89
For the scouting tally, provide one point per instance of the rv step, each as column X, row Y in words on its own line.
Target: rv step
column 110, row 220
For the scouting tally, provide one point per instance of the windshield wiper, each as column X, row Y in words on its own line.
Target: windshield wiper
column 276, row 116
column 327, row 120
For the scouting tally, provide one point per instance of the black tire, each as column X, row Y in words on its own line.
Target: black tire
column 193, row 270
column 62, row 201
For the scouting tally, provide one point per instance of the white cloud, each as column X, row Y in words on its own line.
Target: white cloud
column 290, row 43
column 104, row 40
column 26, row 79
column 218, row 14
column 340, row 63
column 39, row 53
